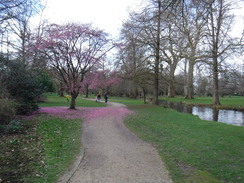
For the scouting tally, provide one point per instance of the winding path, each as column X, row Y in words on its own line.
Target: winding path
column 112, row 154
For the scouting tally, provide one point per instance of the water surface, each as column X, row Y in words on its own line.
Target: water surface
column 206, row 113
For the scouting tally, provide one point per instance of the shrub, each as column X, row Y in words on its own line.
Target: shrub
column 26, row 107
column 1, row 128
column 23, row 84
column 7, row 111
column 14, row 126
column 3, row 90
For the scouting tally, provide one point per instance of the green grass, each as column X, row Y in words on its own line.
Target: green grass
column 42, row 152
column 226, row 102
column 60, row 139
column 46, row 147
column 20, row 153
column 194, row 150
column 127, row 101
column 53, row 100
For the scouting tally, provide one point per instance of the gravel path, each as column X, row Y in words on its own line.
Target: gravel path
column 112, row 154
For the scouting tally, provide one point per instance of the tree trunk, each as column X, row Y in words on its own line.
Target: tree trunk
column 61, row 92
column 215, row 82
column 171, row 91
column 87, row 90
column 73, row 98
column 155, row 90
column 171, row 88
column 215, row 114
column 189, row 93
column 136, row 93
column 157, row 58
column 144, row 95
column 215, row 33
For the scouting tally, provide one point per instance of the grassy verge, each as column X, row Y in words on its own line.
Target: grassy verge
column 43, row 147
column 41, row 152
column 53, row 100
column 61, row 143
column 194, row 150
column 19, row 153
column 127, row 101
column 230, row 102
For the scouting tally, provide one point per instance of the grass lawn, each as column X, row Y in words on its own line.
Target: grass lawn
column 127, row 101
column 60, row 137
column 20, row 154
column 53, row 100
column 194, row 150
column 42, row 151
column 226, row 102
column 61, row 143
column 44, row 148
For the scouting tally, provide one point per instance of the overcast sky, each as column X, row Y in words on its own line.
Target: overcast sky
column 104, row 14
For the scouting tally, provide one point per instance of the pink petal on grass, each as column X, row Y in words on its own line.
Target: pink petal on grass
column 85, row 113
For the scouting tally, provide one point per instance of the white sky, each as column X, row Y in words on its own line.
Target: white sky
column 106, row 14
column 103, row 14
column 238, row 25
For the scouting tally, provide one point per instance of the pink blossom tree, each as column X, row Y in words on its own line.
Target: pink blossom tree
column 101, row 80
column 72, row 51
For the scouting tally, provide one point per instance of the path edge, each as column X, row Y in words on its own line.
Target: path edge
column 67, row 175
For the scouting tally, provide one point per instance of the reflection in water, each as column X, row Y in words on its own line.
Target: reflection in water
column 203, row 112
column 215, row 114
column 206, row 113
column 237, row 117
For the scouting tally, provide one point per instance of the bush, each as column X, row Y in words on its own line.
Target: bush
column 23, row 84
column 1, row 128
column 26, row 107
column 7, row 111
column 46, row 81
column 14, row 126
column 3, row 90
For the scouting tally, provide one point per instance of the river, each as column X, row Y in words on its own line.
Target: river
column 206, row 113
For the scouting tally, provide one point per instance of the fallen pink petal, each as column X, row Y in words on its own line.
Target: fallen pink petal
column 85, row 113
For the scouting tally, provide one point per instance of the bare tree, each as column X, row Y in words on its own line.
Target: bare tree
column 230, row 79
column 149, row 22
column 172, row 49
column 21, row 28
column 192, row 27
column 10, row 9
column 219, row 40
column 152, row 36
column 169, row 31
column 16, row 25
column 132, row 57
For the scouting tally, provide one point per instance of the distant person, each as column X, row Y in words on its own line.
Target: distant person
column 106, row 97
column 67, row 97
column 98, row 97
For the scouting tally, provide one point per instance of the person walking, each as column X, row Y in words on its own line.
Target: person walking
column 67, row 97
column 98, row 97
column 106, row 97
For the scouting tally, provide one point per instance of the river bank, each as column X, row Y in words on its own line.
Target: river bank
column 235, row 103
column 194, row 150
